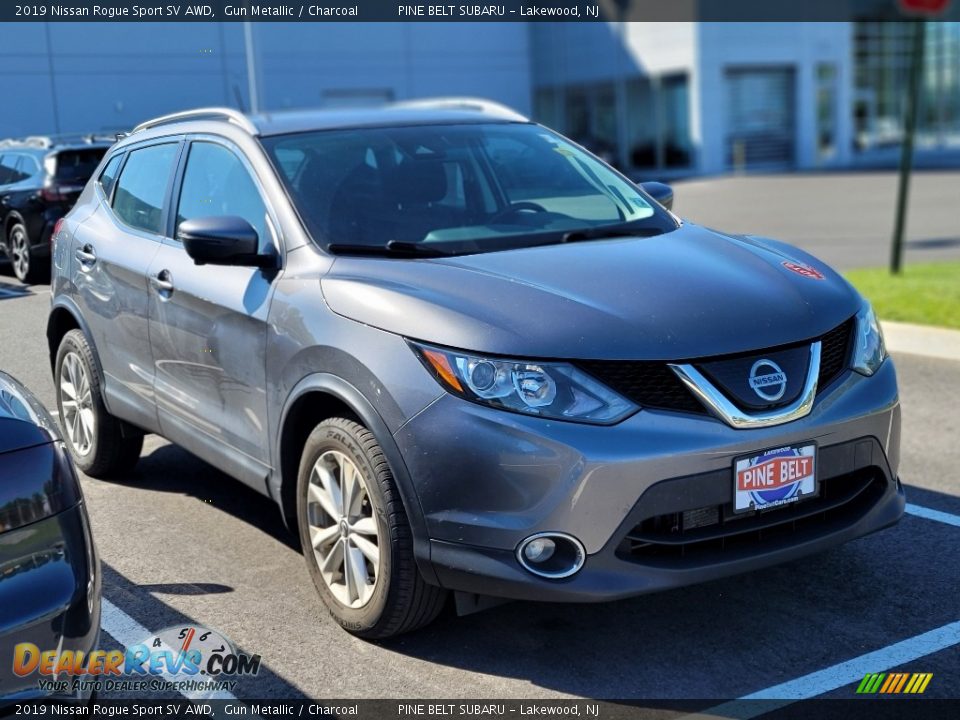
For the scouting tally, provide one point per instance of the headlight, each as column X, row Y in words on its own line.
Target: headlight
column 548, row 390
column 869, row 352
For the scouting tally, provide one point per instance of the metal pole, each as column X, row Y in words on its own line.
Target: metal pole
column 53, row 80
column 906, row 150
column 251, row 68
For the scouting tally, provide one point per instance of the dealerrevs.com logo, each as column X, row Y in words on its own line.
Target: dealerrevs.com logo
column 188, row 658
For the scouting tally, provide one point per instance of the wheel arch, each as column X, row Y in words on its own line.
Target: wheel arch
column 65, row 316
column 12, row 218
column 320, row 396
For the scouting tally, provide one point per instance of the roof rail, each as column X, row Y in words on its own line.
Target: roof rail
column 211, row 113
column 488, row 107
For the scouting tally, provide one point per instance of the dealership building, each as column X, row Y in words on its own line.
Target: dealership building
column 662, row 99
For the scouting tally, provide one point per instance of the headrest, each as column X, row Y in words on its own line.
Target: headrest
column 419, row 181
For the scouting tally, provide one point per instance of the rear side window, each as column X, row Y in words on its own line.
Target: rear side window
column 142, row 186
column 8, row 165
column 29, row 166
column 216, row 183
column 109, row 175
column 10, row 171
column 76, row 166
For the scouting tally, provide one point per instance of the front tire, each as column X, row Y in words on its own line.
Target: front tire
column 356, row 537
column 93, row 436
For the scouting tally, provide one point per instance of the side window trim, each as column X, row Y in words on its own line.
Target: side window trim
column 272, row 222
column 177, row 140
column 108, row 197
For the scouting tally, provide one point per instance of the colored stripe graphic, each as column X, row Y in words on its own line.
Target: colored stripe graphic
column 871, row 683
column 894, row 683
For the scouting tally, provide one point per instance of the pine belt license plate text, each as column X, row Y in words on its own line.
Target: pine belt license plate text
column 775, row 478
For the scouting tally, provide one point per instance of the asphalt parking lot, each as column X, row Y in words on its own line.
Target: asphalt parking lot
column 182, row 542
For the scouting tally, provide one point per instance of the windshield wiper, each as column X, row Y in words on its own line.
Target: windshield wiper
column 610, row 231
column 394, row 248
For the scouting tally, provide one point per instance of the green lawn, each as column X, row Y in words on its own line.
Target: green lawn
column 925, row 294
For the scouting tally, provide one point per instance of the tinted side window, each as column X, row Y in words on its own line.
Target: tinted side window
column 216, row 183
column 28, row 166
column 109, row 174
column 7, row 165
column 10, row 169
column 142, row 185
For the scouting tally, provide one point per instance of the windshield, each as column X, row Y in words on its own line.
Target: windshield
column 463, row 188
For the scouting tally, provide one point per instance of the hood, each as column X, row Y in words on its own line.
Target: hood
column 686, row 294
column 23, row 421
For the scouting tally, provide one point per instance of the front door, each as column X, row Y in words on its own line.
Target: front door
column 208, row 323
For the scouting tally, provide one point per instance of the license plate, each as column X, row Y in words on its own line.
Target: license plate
column 775, row 478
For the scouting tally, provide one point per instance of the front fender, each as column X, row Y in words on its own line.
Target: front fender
column 349, row 395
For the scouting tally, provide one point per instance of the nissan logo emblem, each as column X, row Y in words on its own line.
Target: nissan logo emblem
column 768, row 380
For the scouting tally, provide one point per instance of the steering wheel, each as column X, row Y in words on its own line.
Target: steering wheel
column 517, row 207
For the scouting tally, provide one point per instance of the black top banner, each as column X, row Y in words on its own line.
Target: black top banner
column 503, row 11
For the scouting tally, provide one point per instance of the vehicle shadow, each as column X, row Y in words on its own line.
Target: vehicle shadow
column 171, row 469
column 138, row 602
column 13, row 290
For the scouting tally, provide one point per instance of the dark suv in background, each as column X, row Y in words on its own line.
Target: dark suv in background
column 40, row 180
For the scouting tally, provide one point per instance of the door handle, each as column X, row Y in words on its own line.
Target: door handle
column 86, row 255
column 162, row 281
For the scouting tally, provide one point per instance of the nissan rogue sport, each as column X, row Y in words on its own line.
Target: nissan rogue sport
column 463, row 354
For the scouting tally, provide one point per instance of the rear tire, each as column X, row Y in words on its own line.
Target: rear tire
column 21, row 257
column 93, row 436
column 349, row 512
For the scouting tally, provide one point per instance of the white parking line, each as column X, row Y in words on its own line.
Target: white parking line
column 836, row 676
column 127, row 631
column 931, row 514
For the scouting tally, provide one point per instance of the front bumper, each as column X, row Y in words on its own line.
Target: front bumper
column 487, row 479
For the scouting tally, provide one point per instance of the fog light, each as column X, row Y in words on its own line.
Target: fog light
column 551, row 555
column 539, row 550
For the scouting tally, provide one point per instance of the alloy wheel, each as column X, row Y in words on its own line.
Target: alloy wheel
column 20, row 253
column 343, row 530
column 76, row 403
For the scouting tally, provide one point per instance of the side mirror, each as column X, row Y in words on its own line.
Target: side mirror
column 661, row 192
column 224, row 240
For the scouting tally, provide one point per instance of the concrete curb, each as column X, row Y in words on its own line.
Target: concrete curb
column 923, row 340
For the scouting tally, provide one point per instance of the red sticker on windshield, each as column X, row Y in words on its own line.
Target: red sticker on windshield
column 805, row 270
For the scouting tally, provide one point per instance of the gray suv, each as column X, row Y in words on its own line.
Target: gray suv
column 463, row 354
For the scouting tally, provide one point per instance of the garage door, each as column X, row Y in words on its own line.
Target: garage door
column 760, row 119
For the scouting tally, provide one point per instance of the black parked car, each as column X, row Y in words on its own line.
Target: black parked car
column 40, row 180
column 49, row 568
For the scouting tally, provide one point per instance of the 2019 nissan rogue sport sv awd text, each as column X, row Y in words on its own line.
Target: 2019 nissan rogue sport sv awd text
column 463, row 354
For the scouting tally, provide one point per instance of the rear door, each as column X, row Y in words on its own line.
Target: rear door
column 208, row 322
column 113, row 249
